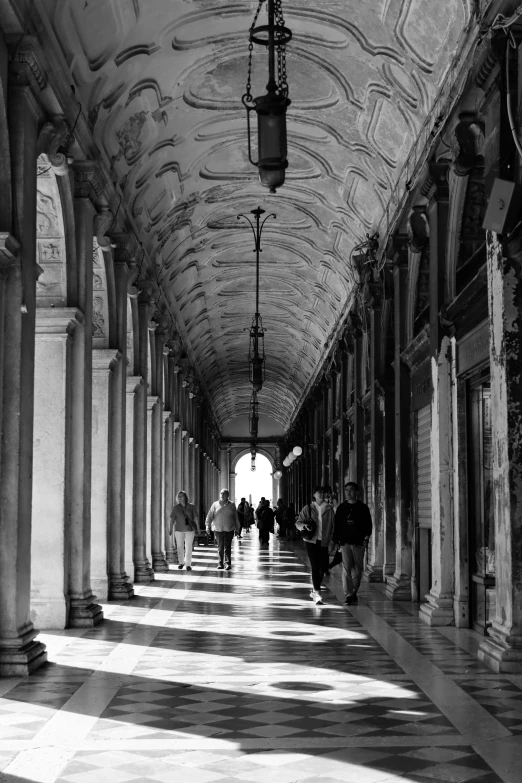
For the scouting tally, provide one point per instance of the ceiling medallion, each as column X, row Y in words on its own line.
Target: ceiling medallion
column 270, row 108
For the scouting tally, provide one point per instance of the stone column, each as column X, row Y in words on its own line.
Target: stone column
column 143, row 572
column 104, row 362
column 197, row 476
column 186, row 461
column 375, row 560
column 503, row 649
column 133, row 384
column 192, row 470
column 438, row 609
column 19, row 653
column 120, row 587
column 151, row 467
column 169, row 491
column 156, row 481
column 53, row 388
column 84, row 613
column 398, row 586
column 232, row 486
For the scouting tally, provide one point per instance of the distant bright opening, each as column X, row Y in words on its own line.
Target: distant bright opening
column 253, row 485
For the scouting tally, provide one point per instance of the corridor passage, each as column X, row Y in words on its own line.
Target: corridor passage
column 221, row 677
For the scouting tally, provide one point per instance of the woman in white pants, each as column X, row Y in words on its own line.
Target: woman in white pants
column 185, row 523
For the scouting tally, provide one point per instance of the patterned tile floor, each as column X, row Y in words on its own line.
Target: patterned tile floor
column 215, row 676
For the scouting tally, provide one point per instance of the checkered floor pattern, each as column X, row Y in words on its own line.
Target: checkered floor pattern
column 238, row 676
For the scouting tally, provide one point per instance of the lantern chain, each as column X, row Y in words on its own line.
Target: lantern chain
column 281, row 51
column 248, row 94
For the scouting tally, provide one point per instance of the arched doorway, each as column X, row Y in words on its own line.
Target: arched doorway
column 250, row 484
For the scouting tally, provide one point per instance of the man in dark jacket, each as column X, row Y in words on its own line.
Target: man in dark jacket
column 265, row 522
column 352, row 529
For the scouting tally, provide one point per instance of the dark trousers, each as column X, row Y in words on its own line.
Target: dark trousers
column 318, row 557
column 264, row 535
column 224, row 542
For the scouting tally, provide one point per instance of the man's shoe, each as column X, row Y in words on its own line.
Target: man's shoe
column 228, row 567
column 189, row 568
column 351, row 599
column 220, row 567
column 317, row 598
column 180, row 566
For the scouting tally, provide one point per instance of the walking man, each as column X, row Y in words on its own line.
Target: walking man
column 241, row 515
column 352, row 529
column 223, row 520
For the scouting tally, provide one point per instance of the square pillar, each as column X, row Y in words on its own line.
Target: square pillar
column 53, row 389
column 438, row 609
column 502, row 650
column 133, row 382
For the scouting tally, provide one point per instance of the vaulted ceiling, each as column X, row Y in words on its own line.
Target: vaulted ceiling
column 163, row 80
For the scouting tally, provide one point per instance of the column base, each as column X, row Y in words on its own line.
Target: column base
column 143, row 573
column 437, row 611
column 120, row 588
column 502, row 653
column 398, row 588
column 21, row 656
column 159, row 563
column 84, row 613
column 373, row 573
column 461, row 613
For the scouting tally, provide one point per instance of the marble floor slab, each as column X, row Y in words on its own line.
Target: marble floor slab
column 238, row 676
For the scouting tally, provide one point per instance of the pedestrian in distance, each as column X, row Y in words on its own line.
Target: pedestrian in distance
column 241, row 516
column 265, row 522
column 184, row 522
column 223, row 520
column 352, row 530
column 281, row 514
column 315, row 522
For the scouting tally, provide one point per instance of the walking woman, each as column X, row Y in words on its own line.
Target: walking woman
column 185, row 523
column 316, row 523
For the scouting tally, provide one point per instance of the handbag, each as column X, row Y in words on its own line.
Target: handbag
column 309, row 527
column 337, row 558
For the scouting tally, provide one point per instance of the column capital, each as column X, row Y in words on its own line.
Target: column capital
column 176, row 425
column 53, row 138
column 105, row 359
column 152, row 401
column 29, row 62
column 87, row 181
column 133, row 383
column 9, row 250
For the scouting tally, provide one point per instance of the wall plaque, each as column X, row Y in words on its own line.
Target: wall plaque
column 474, row 348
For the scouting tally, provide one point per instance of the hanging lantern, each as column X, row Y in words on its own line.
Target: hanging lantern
column 278, row 475
column 254, row 415
column 253, row 456
column 270, row 108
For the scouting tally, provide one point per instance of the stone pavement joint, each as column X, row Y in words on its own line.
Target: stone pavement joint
column 241, row 677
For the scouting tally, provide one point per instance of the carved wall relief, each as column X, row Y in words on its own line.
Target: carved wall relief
column 100, row 302
column 51, row 287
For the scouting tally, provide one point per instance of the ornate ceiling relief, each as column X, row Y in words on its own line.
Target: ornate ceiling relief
column 162, row 82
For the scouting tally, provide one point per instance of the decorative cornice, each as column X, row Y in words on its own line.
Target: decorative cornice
column 28, row 55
